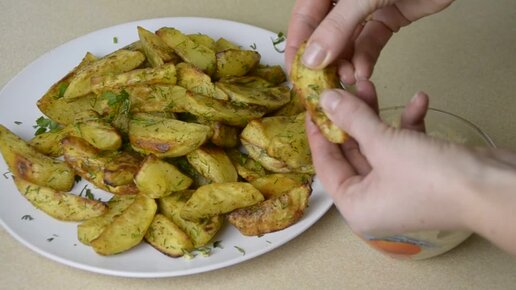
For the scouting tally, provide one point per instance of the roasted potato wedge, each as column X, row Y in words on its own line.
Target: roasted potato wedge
column 157, row 178
column 156, row 51
column 61, row 110
column 309, row 84
column 146, row 99
column 27, row 163
column 92, row 228
column 199, row 232
column 183, row 165
column 226, row 112
column 203, row 39
column 59, row 205
column 223, row 44
column 115, row 63
column 270, row 98
column 49, row 143
column 273, row 214
column 162, row 75
column 282, row 138
column 196, row 81
column 190, row 51
column 260, row 155
column 223, row 135
column 128, row 229
column 248, row 168
column 98, row 133
column 110, row 171
column 273, row 74
column 235, row 62
column 165, row 236
column 213, row 163
column 293, row 107
column 248, row 81
column 275, row 184
column 165, row 137
column 219, row 198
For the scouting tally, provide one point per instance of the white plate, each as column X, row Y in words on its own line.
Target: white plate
column 58, row 240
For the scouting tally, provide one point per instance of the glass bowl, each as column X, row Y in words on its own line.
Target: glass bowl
column 426, row 244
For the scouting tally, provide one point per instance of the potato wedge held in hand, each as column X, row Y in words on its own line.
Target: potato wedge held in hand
column 235, row 62
column 165, row 137
column 156, row 51
column 157, row 178
column 115, row 63
column 272, row 215
column 191, row 52
column 28, row 164
column 213, row 163
column 309, row 84
column 219, row 198
column 128, row 229
column 93, row 228
column 199, row 232
column 59, row 205
column 167, row 237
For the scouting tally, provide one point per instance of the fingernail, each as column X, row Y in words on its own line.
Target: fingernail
column 314, row 55
column 330, row 100
column 415, row 97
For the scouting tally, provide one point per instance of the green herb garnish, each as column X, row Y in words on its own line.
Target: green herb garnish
column 253, row 46
column 217, row 244
column 18, row 122
column 43, row 125
column 279, row 39
column 5, row 174
column 240, row 250
column 61, row 90
column 27, row 217
column 115, row 39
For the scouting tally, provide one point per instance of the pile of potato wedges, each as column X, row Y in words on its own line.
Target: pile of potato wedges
column 185, row 131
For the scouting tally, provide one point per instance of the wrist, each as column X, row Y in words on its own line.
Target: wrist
column 489, row 206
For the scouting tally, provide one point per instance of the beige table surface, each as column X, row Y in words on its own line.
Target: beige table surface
column 464, row 58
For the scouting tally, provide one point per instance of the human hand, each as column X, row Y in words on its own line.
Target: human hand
column 339, row 34
column 396, row 180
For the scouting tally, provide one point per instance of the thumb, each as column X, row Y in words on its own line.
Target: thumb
column 352, row 115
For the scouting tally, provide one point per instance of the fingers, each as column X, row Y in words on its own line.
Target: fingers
column 352, row 153
column 329, row 162
column 334, row 33
column 368, row 46
column 353, row 116
column 306, row 16
column 413, row 116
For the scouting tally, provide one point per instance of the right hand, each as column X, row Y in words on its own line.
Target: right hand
column 337, row 34
column 397, row 180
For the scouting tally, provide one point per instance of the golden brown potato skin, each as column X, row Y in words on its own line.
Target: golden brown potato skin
column 112, row 172
column 165, row 236
column 128, row 229
column 27, row 163
column 165, row 137
column 219, row 198
column 92, row 228
column 59, row 109
column 60, row 205
column 309, row 84
column 273, row 214
column 200, row 232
